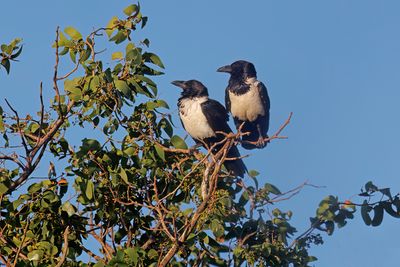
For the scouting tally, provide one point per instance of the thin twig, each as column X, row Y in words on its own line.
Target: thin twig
column 22, row 243
column 91, row 254
column 20, row 132
column 276, row 135
column 41, row 112
column 65, row 248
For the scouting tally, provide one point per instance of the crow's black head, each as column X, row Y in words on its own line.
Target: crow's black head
column 240, row 69
column 191, row 88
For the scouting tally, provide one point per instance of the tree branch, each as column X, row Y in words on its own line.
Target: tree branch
column 65, row 248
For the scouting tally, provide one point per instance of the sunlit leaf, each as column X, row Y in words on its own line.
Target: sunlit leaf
column 160, row 152
column 111, row 26
column 130, row 9
column 73, row 33
column 89, row 190
column 124, row 176
column 117, row 55
column 178, row 142
column 3, row 188
column 153, row 58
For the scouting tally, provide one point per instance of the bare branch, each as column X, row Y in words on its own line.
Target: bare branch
column 69, row 73
column 55, row 85
column 13, row 158
column 22, row 243
column 91, row 254
column 41, row 111
column 19, row 128
column 65, row 248
column 275, row 135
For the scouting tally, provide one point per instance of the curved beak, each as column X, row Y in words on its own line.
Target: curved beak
column 226, row 68
column 180, row 84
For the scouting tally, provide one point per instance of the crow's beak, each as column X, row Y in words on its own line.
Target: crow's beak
column 180, row 84
column 226, row 68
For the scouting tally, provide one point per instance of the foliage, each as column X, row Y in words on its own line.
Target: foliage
column 136, row 190
column 9, row 53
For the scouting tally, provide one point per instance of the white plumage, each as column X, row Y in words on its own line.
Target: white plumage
column 247, row 106
column 193, row 119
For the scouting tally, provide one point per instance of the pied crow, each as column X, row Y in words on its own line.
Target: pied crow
column 203, row 117
column 247, row 100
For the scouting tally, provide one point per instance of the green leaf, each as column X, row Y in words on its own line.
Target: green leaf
column 151, row 105
column 15, row 42
column 217, row 228
column 144, row 22
column 148, row 82
column 6, row 64
column 90, row 144
column 253, row 173
column 3, row 188
column 69, row 208
column 273, row 189
column 312, row 258
column 369, row 186
column 160, row 152
column 17, row 202
column 123, row 87
column 365, row 208
column 153, row 58
column 75, row 94
column 123, row 175
column 386, row 192
column 33, row 188
column 89, row 190
column 130, row 9
column 117, row 55
column 5, row 49
column 178, row 142
column 389, row 209
column 50, row 196
column 84, row 55
column 111, row 26
column 64, row 51
column 162, row 104
column 99, row 264
column 70, row 84
column 132, row 254
column 378, row 216
column 17, row 53
column 35, row 255
column 152, row 254
column 62, row 40
column 73, row 33
column 166, row 125
column 119, row 37
column 72, row 55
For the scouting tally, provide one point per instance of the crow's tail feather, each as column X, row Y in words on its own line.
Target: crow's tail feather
column 236, row 167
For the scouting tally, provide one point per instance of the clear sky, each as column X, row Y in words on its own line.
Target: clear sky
column 335, row 64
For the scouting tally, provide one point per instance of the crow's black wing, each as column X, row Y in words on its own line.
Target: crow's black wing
column 216, row 115
column 227, row 101
column 262, row 89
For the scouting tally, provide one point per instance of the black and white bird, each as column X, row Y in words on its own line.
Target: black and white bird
column 247, row 100
column 203, row 117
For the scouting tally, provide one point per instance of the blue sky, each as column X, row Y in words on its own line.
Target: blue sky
column 335, row 64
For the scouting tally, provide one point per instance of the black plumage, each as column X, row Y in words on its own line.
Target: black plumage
column 203, row 117
column 247, row 100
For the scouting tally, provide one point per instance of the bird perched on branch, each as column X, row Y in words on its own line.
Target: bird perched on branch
column 247, row 100
column 203, row 118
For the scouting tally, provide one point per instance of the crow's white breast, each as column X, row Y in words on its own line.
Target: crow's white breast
column 193, row 119
column 247, row 106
